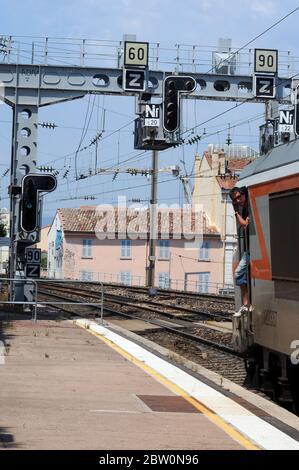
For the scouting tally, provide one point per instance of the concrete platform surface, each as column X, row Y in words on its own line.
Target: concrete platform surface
column 63, row 388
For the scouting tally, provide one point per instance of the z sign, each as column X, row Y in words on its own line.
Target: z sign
column 134, row 80
column 32, row 270
column 264, row 86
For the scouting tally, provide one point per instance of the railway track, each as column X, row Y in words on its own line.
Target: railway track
column 183, row 334
column 200, row 309
column 162, row 293
column 174, row 293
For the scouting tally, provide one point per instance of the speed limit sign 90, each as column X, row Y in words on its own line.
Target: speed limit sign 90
column 266, row 60
column 33, row 255
column 136, row 54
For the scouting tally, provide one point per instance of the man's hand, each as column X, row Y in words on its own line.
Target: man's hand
column 236, row 207
column 243, row 222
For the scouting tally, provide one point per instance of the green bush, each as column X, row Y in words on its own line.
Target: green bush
column 3, row 231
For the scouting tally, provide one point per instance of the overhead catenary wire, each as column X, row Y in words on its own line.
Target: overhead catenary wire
column 82, row 134
column 204, row 137
column 259, row 35
column 249, row 43
column 241, row 48
column 245, row 45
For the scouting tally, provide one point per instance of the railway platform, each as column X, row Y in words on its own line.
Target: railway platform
column 77, row 384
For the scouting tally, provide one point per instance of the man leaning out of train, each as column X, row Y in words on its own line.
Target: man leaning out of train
column 239, row 197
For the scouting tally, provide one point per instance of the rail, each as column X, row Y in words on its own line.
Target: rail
column 128, row 279
column 35, row 293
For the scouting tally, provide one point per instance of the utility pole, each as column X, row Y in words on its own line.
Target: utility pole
column 153, row 222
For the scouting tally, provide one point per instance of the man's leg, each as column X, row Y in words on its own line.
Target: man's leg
column 244, row 294
column 241, row 281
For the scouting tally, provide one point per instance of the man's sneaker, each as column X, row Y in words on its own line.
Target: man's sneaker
column 240, row 312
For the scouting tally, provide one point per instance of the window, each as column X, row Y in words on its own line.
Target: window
column 203, row 283
column 126, row 249
column 163, row 280
column 86, row 276
column 125, row 277
column 204, row 251
column 284, row 235
column 163, row 249
column 87, row 245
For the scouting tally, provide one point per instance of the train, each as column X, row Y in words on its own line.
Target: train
column 269, row 334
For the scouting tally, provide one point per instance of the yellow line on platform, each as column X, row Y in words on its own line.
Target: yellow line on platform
column 217, row 420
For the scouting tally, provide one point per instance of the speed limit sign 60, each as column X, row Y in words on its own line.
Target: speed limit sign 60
column 136, row 54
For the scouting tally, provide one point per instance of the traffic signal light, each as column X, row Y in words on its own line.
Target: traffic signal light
column 173, row 86
column 32, row 185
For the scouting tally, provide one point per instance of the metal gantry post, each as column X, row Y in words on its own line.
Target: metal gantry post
column 153, row 220
column 23, row 160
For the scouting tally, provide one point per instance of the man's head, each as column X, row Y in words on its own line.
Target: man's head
column 239, row 196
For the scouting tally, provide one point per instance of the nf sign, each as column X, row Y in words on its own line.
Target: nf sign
column 286, row 120
column 152, row 115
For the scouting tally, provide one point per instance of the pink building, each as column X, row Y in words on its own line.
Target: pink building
column 88, row 245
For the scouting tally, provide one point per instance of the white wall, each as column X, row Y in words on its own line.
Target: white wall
column 55, row 258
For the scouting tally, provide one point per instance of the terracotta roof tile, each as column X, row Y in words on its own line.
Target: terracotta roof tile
column 239, row 164
column 227, row 183
column 88, row 220
column 233, row 165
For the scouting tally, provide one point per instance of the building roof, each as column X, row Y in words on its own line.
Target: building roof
column 88, row 220
column 234, row 150
column 282, row 155
column 226, row 183
column 233, row 165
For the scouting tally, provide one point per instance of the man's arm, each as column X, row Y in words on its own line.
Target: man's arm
column 242, row 222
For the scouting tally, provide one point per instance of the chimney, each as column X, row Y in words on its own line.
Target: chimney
column 218, row 163
column 221, row 156
column 215, row 165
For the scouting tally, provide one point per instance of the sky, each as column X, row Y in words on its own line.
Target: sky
column 167, row 22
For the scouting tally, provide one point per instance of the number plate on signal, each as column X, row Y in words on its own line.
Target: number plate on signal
column 33, row 255
column 265, row 60
column 136, row 54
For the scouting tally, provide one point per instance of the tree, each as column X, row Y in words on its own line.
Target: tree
column 3, row 231
column 44, row 257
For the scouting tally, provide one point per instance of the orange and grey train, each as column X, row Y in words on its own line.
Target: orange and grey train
column 269, row 335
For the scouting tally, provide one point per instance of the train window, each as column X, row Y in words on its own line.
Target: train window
column 284, row 238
